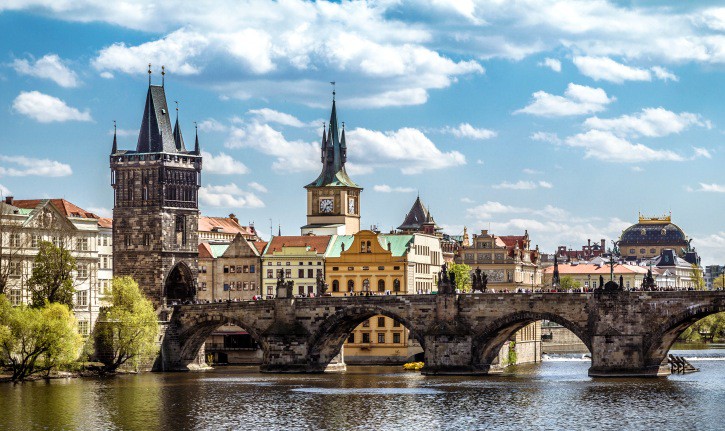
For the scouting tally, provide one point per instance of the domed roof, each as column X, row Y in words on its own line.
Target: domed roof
column 654, row 231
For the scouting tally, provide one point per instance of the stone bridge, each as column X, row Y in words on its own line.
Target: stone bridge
column 627, row 333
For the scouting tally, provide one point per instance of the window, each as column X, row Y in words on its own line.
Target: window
column 351, row 268
column 203, row 285
column 652, row 251
column 226, row 269
column 14, row 240
column 82, row 298
column 245, row 285
column 396, row 268
column 300, row 273
column 245, row 269
column 301, row 290
column 335, row 268
column 16, row 269
column 350, row 285
column 366, row 285
column 468, row 257
column 16, row 296
column 366, row 268
column 56, row 241
column 82, row 271
column 104, row 262
column 319, row 273
column 351, row 338
column 146, row 239
column 270, row 273
column 631, row 251
column 310, row 273
column 35, row 240
column 286, row 263
column 252, row 269
column 396, row 338
column 232, row 269
column 83, row 327
column 105, row 241
column 396, row 324
column 365, row 337
column 252, row 285
column 81, row 244
column 381, row 338
column 381, row 322
column 642, row 251
column 202, row 269
column 127, row 240
column 288, row 273
column 396, row 285
column 381, row 285
column 366, row 324
column 335, row 286
column 381, row 268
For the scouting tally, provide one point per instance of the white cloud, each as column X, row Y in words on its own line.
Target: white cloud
column 384, row 188
column 523, row 185
column 467, row 200
column 47, row 109
column 4, row 191
column 577, row 100
column 229, row 196
column 529, row 171
column 712, row 188
column 701, row 152
column 50, row 67
column 25, row 166
column 407, row 149
column 211, row 125
column 479, row 162
column 605, row 146
column 106, row 75
column 465, row 130
column 266, row 115
column 491, row 208
column 664, row 74
column 552, row 64
column 258, row 187
column 651, row 122
column 222, row 164
column 606, row 69
column 552, row 138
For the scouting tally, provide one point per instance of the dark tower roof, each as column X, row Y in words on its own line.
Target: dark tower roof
column 156, row 135
column 334, row 155
column 114, row 149
column 197, row 149
column 178, row 139
column 416, row 217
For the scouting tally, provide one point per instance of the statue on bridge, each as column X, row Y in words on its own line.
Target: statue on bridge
column 648, row 282
column 321, row 285
column 480, row 281
column 446, row 284
column 284, row 288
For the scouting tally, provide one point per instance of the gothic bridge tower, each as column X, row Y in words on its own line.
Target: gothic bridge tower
column 333, row 199
column 155, row 208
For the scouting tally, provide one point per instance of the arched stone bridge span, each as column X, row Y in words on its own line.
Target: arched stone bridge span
column 627, row 333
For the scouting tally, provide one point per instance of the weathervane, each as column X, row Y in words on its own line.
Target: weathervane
column 149, row 73
column 163, row 72
column 333, row 89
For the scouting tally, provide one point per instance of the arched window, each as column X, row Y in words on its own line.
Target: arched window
column 396, row 285
column 362, row 246
column 381, row 285
column 366, row 285
column 350, row 285
column 335, row 286
column 368, row 247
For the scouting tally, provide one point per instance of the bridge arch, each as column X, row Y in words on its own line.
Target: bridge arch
column 487, row 341
column 198, row 330
column 660, row 342
column 326, row 342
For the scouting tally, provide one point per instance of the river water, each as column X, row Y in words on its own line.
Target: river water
column 553, row 395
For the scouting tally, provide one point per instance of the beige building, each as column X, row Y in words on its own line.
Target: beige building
column 25, row 223
column 300, row 259
column 587, row 275
column 508, row 261
column 229, row 271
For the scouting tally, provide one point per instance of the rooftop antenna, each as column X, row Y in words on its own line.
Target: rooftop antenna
column 333, row 89
column 149, row 74
column 163, row 72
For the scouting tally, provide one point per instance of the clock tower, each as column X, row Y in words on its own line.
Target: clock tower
column 333, row 199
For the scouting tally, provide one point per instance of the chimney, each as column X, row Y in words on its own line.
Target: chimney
column 604, row 244
column 234, row 218
column 9, row 200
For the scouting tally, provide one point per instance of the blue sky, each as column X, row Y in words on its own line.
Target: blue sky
column 563, row 118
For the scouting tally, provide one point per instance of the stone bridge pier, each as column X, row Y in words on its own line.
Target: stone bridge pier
column 628, row 333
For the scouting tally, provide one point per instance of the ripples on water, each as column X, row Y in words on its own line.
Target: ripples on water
column 554, row 395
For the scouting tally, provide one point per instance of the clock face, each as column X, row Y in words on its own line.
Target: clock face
column 326, row 205
column 351, row 206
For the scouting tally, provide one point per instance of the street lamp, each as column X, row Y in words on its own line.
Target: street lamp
column 589, row 281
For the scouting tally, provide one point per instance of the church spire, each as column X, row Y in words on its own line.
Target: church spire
column 197, row 150
column 114, row 149
column 178, row 139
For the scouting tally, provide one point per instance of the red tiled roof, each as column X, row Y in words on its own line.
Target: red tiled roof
column 511, row 240
column 317, row 243
column 259, row 245
column 105, row 222
column 205, row 251
column 226, row 224
column 63, row 206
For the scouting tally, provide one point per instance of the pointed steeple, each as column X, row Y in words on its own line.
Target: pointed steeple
column 197, row 149
column 156, row 134
column 178, row 139
column 323, row 150
column 343, row 145
column 279, row 230
column 114, row 148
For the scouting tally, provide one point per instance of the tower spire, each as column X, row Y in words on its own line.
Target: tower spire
column 114, row 149
column 149, row 74
column 197, row 150
column 163, row 72
column 178, row 138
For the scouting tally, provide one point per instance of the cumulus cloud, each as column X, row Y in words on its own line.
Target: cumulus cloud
column 651, row 122
column 211, row 125
column 467, row 200
column 530, row 171
column 47, row 109
column 551, row 138
column 552, row 64
column 266, row 115
column 384, row 188
column 222, row 164
column 50, row 67
column 25, row 166
column 606, row 69
column 228, row 196
column 523, row 185
column 258, row 187
column 465, row 130
column 606, row 146
column 577, row 100
column 711, row 188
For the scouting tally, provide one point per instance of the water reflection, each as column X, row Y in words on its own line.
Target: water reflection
column 552, row 395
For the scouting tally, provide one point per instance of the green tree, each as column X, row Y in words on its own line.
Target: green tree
column 567, row 282
column 52, row 278
column 719, row 282
column 463, row 276
column 698, row 282
column 127, row 330
column 36, row 340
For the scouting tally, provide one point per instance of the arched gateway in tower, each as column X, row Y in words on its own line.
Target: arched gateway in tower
column 155, row 207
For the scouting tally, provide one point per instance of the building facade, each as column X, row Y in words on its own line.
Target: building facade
column 24, row 224
column 229, row 271
column 300, row 259
column 587, row 275
column 156, row 187
column 224, row 229
column 650, row 237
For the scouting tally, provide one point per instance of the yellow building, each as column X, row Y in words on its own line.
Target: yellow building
column 299, row 258
column 369, row 263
